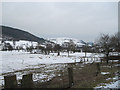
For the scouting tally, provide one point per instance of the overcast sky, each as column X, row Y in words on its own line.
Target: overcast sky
column 81, row 20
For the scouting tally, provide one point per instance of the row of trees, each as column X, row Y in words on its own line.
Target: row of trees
column 104, row 44
column 56, row 48
column 108, row 43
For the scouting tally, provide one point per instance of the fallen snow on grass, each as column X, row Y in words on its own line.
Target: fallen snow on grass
column 13, row 60
column 113, row 60
column 42, row 77
column 115, row 84
column 42, row 66
column 117, row 65
column 104, row 73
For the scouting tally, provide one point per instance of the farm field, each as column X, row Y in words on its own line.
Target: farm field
column 15, row 60
column 43, row 67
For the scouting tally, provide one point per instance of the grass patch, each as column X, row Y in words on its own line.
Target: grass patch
column 84, row 77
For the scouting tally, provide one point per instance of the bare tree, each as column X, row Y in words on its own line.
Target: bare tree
column 39, row 48
column 57, row 48
column 115, row 43
column 14, row 44
column 31, row 48
column 85, row 49
column 70, row 47
column 104, row 43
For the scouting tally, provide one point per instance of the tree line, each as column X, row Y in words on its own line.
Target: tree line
column 105, row 44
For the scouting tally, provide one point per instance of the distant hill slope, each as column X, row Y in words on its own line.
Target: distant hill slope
column 9, row 33
column 62, row 40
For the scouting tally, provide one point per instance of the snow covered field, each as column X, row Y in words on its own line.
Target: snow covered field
column 14, row 60
column 20, row 63
column 43, row 67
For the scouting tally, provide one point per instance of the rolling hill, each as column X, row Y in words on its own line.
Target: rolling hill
column 62, row 40
column 10, row 33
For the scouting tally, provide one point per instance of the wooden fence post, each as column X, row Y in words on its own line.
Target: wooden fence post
column 84, row 59
column 87, row 59
column 27, row 81
column 70, row 75
column 10, row 81
column 80, row 59
column 97, row 59
column 75, row 60
column 98, row 68
column 91, row 59
column 101, row 60
column 62, row 77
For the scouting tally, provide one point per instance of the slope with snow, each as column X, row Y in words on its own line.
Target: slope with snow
column 64, row 39
column 22, row 43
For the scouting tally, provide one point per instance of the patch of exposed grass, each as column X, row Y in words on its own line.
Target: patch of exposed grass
column 88, row 78
column 84, row 77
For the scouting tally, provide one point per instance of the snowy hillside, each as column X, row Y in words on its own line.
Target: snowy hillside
column 64, row 40
column 22, row 43
column 10, row 33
